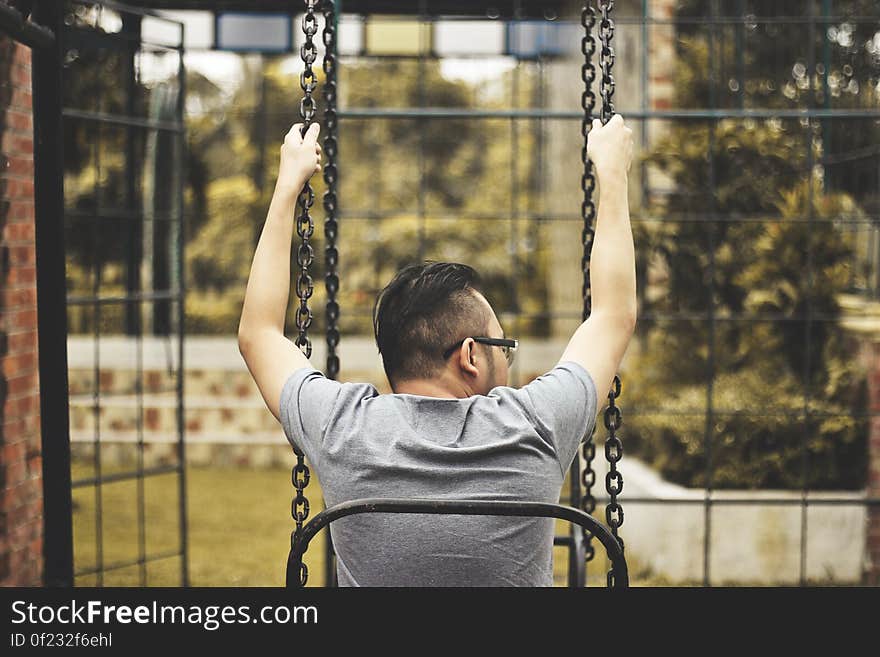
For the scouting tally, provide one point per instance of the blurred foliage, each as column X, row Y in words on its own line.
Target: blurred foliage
column 220, row 253
column 787, row 394
column 230, row 186
column 233, row 142
column 766, row 374
column 765, row 443
column 774, row 62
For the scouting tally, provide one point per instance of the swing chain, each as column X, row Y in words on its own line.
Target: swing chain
column 305, row 255
column 613, row 453
column 613, row 479
column 309, row 53
column 612, row 416
column 588, row 213
column 305, row 225
column 606, row 59
column 331, row 226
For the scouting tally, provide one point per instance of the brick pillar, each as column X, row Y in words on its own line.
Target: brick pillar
column 21, row 488
column 661, row 93
column 661, row 55
column 872, row 536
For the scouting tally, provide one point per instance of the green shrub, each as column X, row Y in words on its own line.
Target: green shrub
column 759, row 438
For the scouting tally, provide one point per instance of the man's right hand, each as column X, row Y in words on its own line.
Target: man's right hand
column 601, row 341
column 300, row 157
column 610, row 147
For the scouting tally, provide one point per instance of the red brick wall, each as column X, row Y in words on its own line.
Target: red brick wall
column 662, row 56
column 21, row 488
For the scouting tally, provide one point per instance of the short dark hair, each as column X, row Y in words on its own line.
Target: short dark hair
column 423, row 310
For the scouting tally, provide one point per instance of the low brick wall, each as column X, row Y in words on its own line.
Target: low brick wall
column 225, row 419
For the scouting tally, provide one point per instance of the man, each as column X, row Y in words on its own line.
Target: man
column 452, row 428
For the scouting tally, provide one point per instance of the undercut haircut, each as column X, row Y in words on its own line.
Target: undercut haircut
column 424, row 310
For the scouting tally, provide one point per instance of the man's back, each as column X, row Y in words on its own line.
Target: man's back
column 508, row 445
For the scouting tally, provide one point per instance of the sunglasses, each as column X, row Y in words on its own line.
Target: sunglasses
column 508, row 346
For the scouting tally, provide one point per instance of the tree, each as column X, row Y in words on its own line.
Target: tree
column 466, row 169
column 749, row 230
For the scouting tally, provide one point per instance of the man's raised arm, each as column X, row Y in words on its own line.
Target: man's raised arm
column 269, row 355
column 600, row 342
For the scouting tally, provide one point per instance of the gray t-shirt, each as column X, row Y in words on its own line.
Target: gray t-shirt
column 512, row 444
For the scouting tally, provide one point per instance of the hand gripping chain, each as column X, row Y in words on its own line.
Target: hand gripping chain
column 305, row 227
column 612, row 415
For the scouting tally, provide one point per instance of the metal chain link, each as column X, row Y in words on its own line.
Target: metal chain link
column 613, row 418
column 299, row 508
column 613, row 478
column 588, row 213
column 606, row 59
column 305, row 227
column 331, row 226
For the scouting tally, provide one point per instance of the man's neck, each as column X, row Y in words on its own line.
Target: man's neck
column 442, row 387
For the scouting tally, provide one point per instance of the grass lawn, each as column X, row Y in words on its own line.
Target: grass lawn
column 239, row 528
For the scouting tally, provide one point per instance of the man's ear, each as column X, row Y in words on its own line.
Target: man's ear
column 467, row 357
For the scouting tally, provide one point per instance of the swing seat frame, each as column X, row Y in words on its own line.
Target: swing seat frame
column 300, row 542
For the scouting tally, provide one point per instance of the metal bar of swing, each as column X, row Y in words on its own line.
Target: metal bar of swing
column 681, row 317
column 458, row 507
column 96, row 412
column 121, row 119
column 867, row 219
column 751, row 501
column 725, row 412
column 31, row 34
column 135, row 10
column 51, row 308
column 127, row 475
column 169, row 295
column 743, row 19
column 469, row 11
column 746, row 19
column 131, row 26
column 180, row 252
column 356, row 112
column 684, row 114
column 97, row 461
